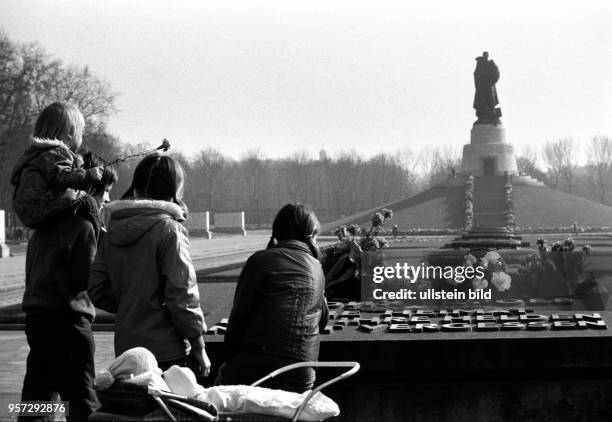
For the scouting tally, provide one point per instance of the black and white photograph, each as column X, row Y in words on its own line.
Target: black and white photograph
column 315, row 210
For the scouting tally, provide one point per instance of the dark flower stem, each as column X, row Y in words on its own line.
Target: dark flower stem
column 165, row 146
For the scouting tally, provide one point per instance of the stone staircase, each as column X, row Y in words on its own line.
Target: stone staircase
column 489, row 202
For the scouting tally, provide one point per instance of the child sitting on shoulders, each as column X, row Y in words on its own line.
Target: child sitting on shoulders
column 50, row 177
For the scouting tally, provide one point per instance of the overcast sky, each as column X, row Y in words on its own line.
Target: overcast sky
column 286, row 76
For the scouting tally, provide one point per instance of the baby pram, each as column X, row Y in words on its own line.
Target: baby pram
column 128, row 402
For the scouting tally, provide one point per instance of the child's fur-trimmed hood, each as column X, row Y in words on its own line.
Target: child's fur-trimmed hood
column 46, row 143
column 130, row 220
column 170, row 208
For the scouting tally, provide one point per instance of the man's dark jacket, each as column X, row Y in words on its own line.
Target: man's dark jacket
column 57, row 267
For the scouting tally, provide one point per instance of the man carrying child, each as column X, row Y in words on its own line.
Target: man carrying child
column 50, row 197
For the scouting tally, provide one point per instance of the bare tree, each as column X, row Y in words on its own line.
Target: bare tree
column 600, row 165
column 254, row 169
column 211, row 177
column 409, row 161
column 76, row 85
column 30, row 80
column 431, row 163
column 526, row 161
column 560, row 159
column 297, row 176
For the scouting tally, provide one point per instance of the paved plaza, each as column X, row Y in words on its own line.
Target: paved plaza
column 224, row 250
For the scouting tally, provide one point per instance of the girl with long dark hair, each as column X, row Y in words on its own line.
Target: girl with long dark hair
column 279, row 307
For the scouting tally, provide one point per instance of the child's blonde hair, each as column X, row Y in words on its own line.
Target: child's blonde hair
column 59, row 119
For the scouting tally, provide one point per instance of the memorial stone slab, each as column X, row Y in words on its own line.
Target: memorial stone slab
column 4, row 249
column 199, row 223
column 230, row 221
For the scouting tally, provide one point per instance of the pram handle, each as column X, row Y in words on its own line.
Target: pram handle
column 354, row 367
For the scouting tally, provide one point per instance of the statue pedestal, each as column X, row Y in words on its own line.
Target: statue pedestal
column 487, row 134
column 488, row 153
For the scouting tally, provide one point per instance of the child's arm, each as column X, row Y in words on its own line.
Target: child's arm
column 180, row 285
column 324, row 315
column 99, row 286
column 62, row 172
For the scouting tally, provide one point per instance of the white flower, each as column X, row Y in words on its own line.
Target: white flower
column 480, row 283
column 470, row 259
column 492, row 256
column 501, row 281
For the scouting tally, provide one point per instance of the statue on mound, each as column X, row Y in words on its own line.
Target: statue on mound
column 486, row 76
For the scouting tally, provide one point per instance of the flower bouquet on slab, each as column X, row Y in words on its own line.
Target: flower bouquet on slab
column 560, row 270
column 343, row 261
column 482, row 269
column 495, row 272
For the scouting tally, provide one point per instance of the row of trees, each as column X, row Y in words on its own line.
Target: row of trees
column 260, row 186
column 334, row 186
column 592, row 180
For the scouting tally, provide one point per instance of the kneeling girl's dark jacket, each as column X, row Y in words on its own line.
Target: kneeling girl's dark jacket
column 279, row 306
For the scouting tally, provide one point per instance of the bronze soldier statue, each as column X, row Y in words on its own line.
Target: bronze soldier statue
column 486, row 76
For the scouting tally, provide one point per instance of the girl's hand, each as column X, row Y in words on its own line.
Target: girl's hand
column 202, row 359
